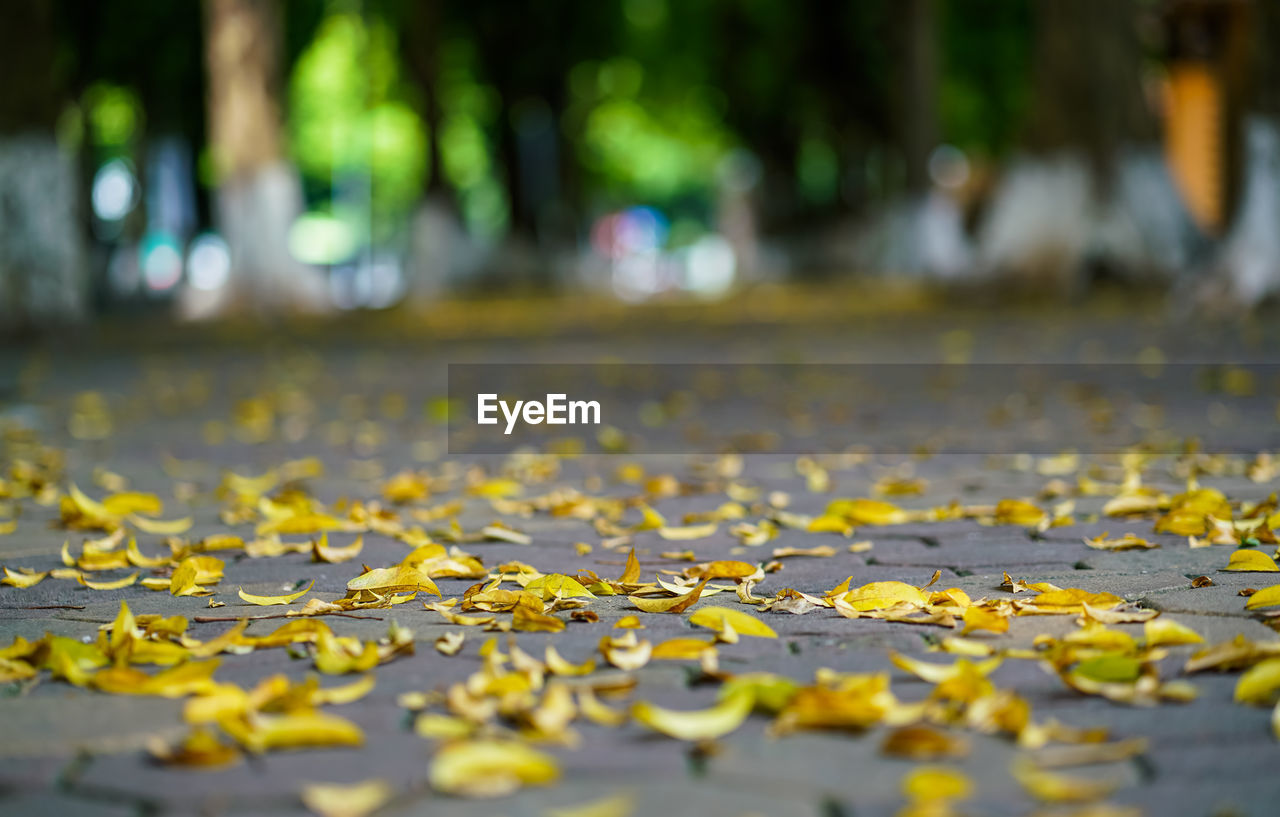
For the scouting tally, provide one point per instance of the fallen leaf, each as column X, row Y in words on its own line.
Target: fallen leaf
column 717, row 618
column 1260, row 683
column 677, row 604
column 489, row 768
column 919, row 742
column 618, row 805
column 355, row 800
column 449, row 643
column 1266, row 597
column 704, row 724
column 267, row 601
column 1251, row 560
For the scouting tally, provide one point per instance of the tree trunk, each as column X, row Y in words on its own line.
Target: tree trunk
column 918, row 112
column 1093, row 196
column 1249, row 263
column 259, row 193
column 42, row 266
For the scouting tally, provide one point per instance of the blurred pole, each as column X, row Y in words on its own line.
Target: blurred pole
column 259, row 193
column 42, row 270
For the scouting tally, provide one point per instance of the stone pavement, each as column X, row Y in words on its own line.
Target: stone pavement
column 180, row 413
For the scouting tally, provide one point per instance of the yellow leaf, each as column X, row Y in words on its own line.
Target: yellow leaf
column 919, row 742
column 1127, row 542
column 704, row 724
column 724, row 569
column 630, row 573
column 267, row 601
column 830, row 523
column 530, row 621
column 302, row 523
column 650, row 519
column 16, row 579
column 136, row 558
column 111, row 585
column 557, row 586
column 1072, row 599
column 200, row 748
column 191, row 678
column 87, row 506
column 743, row 623
column 432, row 726
column 500, row 488
column 343, row 693
column 1163, row 631
column 1052, row 787
column 490, row 768
column 129, row 502
column 450, row 643
column 595, row 711
column 321, row 552
column 295, row 730
column 1018, row 512
column 681, row 649
column 933, row 783
column 629, row 623
column 162, row 527
column 860, row 512
column 1109, row 668
column 183, row 580
column 1260, row 683
column 984, row 618
column 1250, row 560
column 626, row 652
column 1266, row 597
column 940, row 673
column 399, row 579
column 677, row 604
column 879, row 595
column 687, row 532
column 619, row 805
column 558, row 665
column 356, row 800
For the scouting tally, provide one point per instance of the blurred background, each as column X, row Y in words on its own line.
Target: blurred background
column 197, row 160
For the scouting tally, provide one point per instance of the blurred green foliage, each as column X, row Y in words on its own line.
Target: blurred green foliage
column 645, row 100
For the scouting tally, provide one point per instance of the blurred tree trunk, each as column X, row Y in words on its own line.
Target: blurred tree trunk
column 1249, row 263
column 918, row 104
column 42, row 270
column 421, row 44
column 1094, row 196
column 259, row 193
column 1088, row 84
column 438, row 245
